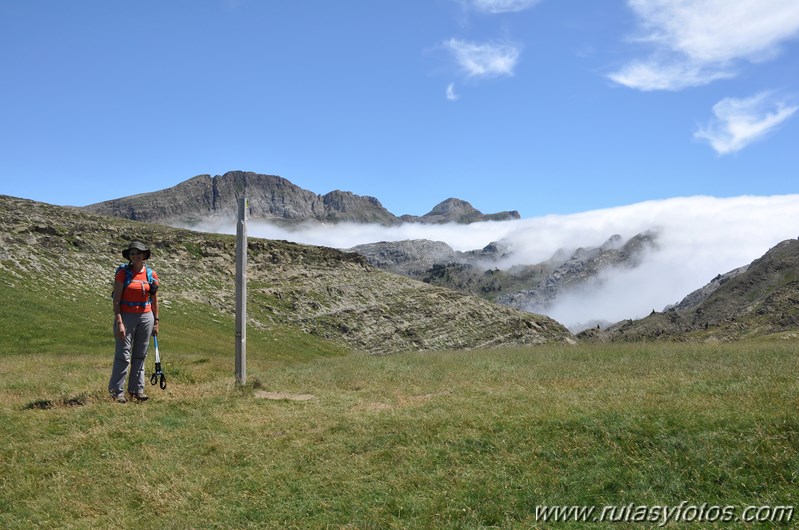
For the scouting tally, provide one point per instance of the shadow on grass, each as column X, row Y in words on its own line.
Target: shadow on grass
column 74, row 401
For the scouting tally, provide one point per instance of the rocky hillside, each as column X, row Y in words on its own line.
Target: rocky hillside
column 410, row 258
column 700, row 295
column 272, row 198
column 761, row 298
column 321, row 291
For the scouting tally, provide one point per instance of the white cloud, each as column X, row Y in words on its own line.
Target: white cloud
column 451, row 95
column 484, row 60
column 699, row 237
column 739, row 122
column 653, row 75
column 503, row 6
column 698, row 41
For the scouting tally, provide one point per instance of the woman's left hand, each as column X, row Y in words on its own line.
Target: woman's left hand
column 155, row 329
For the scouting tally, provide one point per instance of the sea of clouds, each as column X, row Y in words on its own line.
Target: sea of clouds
column 698, row 238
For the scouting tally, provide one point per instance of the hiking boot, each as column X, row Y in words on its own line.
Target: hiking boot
column 139, row 396
column 120, row 398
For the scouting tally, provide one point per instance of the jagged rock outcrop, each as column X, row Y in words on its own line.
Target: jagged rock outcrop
column 346, row 206
column 581, row 271
column 759, row 299
column 321, row 291
column 409, row 257
column 272, row 198
column 416, row 258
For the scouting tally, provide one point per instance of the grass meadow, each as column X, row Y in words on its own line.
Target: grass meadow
column 473, row 439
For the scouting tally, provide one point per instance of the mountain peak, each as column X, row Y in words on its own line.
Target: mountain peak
column 453, row 206
column 454, row 210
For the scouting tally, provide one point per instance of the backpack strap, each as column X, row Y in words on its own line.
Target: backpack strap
column 129, row 275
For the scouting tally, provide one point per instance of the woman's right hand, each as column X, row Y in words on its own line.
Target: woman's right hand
column 121, row 330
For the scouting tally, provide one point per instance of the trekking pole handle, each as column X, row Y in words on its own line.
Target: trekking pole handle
column 157, row 355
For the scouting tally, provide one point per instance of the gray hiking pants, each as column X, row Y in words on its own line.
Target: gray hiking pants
column 131, row 352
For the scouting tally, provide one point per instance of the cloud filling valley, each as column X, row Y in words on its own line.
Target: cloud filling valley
column 697, row 239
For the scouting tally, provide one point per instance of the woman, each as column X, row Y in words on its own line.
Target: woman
column 135, row 319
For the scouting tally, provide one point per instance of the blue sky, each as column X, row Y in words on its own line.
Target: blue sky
column 545, row 107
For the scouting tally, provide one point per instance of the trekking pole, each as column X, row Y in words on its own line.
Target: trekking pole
column 158, row 374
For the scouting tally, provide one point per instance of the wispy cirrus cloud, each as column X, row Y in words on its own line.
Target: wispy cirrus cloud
column 737, row 123
column 675, row 75
column 696, row 42
column 484, row 59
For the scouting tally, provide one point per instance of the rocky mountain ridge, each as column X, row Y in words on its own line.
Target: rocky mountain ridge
column 761, row 298
column 584, row 270
column 415, row 257
column 321, row 291
column 270, row 197
column 533, row 287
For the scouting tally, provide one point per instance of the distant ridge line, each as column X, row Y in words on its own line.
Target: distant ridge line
column 271, row 197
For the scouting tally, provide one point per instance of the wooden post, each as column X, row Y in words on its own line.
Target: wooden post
column 241, row 293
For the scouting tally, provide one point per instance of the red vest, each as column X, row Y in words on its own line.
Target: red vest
column 136, row 296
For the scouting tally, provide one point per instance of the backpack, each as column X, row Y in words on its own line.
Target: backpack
column 129, row 278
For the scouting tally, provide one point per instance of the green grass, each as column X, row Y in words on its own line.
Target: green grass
column 43, row 318
column 447, row 440
column 441, row 440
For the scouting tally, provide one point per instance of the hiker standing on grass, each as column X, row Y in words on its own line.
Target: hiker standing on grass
column 135, row 319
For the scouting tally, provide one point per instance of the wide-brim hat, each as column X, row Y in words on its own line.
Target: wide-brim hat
column 138, row 245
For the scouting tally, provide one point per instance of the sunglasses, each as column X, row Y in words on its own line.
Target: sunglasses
column 134, row 252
